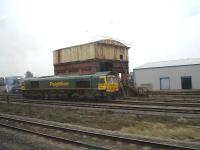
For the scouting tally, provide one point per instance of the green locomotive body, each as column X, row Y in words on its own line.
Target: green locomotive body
column 101, row 84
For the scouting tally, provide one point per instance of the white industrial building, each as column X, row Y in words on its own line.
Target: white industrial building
column 169, row 75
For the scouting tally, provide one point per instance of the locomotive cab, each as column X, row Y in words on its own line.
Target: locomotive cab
column 112, row 83
column 108, row 84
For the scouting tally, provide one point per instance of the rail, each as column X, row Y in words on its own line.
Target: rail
column 138, row 141
column 190, row 111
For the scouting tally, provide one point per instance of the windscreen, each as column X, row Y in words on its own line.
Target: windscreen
column 112, row 79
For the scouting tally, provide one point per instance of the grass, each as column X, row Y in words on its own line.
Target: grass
column 169, row 130
column 165, row 127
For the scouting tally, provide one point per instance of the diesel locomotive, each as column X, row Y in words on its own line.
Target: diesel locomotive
column 98, row 85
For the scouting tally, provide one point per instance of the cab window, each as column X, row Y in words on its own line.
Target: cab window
column 109, row 79
column 112, row 79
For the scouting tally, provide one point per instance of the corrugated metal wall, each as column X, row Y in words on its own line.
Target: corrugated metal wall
column 151, row 77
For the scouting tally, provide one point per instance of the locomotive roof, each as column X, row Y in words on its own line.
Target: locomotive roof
column 73, row 76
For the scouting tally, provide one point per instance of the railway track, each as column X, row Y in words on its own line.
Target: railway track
column 186, row 110
column 45, row 135
column 135, row 101
column 164, row 99
column 78, row 136
column 192, row 109
column 129, row 100
column 157, row 103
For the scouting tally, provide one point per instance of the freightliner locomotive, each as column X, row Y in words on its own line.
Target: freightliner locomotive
column 99, row 85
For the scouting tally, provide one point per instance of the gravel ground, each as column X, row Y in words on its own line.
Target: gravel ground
column 13, row 140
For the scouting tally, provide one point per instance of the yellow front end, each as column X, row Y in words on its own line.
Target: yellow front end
column 108, row 84
column 102, row 85
column 112, row 84
column 111, row 87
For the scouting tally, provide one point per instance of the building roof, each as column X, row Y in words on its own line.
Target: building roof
column 170, row 63
column 105, row 41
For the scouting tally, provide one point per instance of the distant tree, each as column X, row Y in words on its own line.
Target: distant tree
column 28, row 74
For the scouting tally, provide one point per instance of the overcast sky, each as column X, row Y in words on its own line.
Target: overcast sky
column 155, row 30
